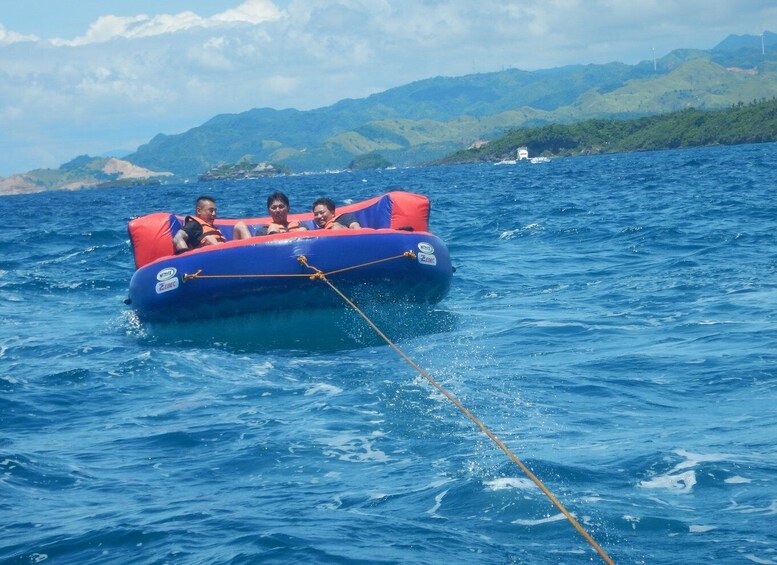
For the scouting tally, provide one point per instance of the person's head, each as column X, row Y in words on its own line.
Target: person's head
column 278, row 207
column 205, row 208
column 323, row 211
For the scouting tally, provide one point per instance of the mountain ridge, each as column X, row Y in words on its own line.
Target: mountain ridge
column 427, row 119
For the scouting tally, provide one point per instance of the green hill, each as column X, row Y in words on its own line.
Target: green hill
column 743, row 123
column 82, row 172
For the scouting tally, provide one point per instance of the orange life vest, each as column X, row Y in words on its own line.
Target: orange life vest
column 336, row 220
column 290, row 226
column 211, row 235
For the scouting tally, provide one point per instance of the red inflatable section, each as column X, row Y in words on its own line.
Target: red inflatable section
column 395, row 210
column 151, row 238
column 409, row 210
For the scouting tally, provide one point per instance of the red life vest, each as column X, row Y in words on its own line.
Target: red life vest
column 210, row 233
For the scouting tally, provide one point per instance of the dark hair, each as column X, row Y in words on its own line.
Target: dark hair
column 203, row 198
column 277, row 195
column 328, row 202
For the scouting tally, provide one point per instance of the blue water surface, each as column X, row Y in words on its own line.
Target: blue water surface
column 612, row 320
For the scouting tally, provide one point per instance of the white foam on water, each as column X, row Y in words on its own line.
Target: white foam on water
column 633, row 520
column 350, row 447
column 437, row 504
column 682, row 478
column 760, row 560
column 557, row 288
column 509, row 234
column 737, row 480
column 9, row 378
column 682, row 482
column 323, row 388
column 508, row 483
column 334, row 504
column 769, row 510
column 693, row 459
column 546, row 520
column 262, row 369
column 701, row 529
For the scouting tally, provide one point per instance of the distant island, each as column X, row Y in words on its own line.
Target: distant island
column 82, row 172
column 371, row 160
column 246, row 169
column 243, row 169
column 743, row 123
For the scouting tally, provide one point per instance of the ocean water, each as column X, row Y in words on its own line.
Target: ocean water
column 612, row 319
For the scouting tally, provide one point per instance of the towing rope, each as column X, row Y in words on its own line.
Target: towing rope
column 318, row 274
column 198, row 274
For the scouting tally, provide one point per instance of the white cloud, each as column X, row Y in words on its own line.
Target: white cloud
column 252, row 12
column 280, row 85
column 214, row 54
column 108, row 28
column 8, row 37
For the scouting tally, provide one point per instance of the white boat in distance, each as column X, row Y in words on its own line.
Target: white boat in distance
column 522, row 154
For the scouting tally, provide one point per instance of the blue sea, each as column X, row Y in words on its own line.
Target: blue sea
column 612, row 319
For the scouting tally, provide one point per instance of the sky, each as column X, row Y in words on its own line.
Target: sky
column 99, row 76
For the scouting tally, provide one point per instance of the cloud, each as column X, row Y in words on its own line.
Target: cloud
column 108, row 28
column 8, row 37
column 281, row 85
column 252, row 12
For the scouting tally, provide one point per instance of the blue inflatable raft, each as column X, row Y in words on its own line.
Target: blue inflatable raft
column 392, row 258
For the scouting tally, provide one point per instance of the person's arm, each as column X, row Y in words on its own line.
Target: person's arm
column 188, row 237
column 180, row 242
column 348, row 221
column 240, row 232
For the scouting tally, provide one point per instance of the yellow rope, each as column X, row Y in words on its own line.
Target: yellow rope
column 196, row 275
column 409, row 254
column 606, row 558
